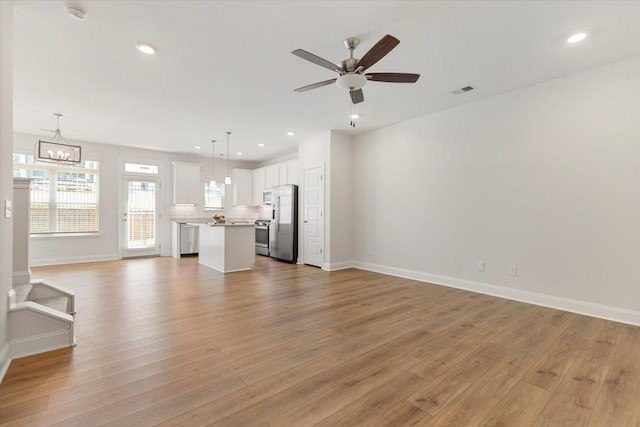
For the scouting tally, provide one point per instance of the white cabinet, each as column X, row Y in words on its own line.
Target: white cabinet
column 242, row 183
column 258, row 185
column 272, row 176
column 269, row 176
column 282, row 173
column 293, row 173
column 186, row 184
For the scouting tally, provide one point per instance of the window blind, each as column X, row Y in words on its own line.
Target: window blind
column 64, row 199
column 213, row 196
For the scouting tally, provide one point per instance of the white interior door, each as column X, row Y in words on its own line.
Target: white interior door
column 140, row 216
column 313, row 216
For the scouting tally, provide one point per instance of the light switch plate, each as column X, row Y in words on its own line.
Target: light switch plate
column 7, row 208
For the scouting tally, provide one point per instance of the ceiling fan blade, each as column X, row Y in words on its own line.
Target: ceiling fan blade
column 315, row 85
column 317, row 60
column 393, row 77
column 356, row 96
column 378, row 51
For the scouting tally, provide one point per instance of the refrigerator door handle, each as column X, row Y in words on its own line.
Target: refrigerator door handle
column 278, row 221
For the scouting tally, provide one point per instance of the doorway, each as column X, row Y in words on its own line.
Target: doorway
column 140, row 215
column 313, row 215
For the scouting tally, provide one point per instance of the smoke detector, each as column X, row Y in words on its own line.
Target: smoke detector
column 76, row 12
column 463, row 90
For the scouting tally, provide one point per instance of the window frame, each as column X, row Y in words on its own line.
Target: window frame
column 26, row 162
column 206, row 198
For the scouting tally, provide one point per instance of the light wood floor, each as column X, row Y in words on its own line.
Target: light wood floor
column 169, row 342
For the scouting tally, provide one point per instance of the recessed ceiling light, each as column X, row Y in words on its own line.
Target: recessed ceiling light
column 354, row 116
column 197, row 147
column 261, row 145
column 577, row 37
column 146, row 48
column 291, row 133
column 239, row 153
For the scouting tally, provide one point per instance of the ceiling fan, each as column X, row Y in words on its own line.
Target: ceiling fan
column 351, row 70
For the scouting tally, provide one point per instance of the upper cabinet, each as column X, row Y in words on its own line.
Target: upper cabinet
column 272, row 175
column 293, row 173
column 259, row 176
column 186, row 184
column 242, row 183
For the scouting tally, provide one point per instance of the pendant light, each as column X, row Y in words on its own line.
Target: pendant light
column 212, row 183
column 227, row 179
column 57, row 150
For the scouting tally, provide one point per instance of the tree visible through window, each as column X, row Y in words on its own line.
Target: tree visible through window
column 64, row 199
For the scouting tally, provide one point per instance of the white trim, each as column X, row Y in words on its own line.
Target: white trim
column 5, row 360
column 74, row 260
column 21, row 277
column 62, row 235
column 334, row 266
column 22, row 347
column 575, row 306
column 301, row 212
column 122, row 199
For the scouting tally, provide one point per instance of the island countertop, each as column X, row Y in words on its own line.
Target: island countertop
column 227, row 247
column 226, row 224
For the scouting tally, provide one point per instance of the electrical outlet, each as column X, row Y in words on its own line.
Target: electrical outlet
column 513, row 270
column 480, row 266
column 370, row 251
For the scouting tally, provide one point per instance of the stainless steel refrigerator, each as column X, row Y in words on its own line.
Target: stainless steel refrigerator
column 283, row 231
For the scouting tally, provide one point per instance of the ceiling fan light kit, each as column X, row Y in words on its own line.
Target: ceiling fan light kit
column 351, row 81
column 352, row 70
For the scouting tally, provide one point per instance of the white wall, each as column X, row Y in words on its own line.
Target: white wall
column 314, row 151
column 279, row 159
column 333, row 150
column 56, row 250
column 546, row 178
column 339, row 253
column 6, row 181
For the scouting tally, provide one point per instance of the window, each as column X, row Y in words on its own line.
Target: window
column 213, row 196
column 64, row 199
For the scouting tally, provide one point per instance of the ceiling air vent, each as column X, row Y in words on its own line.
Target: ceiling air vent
column 463, row 90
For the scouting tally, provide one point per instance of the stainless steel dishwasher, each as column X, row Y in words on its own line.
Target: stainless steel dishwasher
column 189, row 241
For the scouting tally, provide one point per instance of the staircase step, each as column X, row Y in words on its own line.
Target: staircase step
column 22, row 292
column 57, row 303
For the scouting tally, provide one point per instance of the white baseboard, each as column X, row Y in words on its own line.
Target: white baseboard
column 575, row 306
column 334, row 266
column 21, row 277
column 22, row 347
column 5, row 360
column 74, row 260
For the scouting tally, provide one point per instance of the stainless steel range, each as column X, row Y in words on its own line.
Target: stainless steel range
column 262, row 237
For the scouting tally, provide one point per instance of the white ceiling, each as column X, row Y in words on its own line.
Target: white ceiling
column 227, row 65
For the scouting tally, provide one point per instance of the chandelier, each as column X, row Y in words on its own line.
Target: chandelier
column 57, row 150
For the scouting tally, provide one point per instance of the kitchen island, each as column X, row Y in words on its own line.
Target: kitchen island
column 227, row 247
